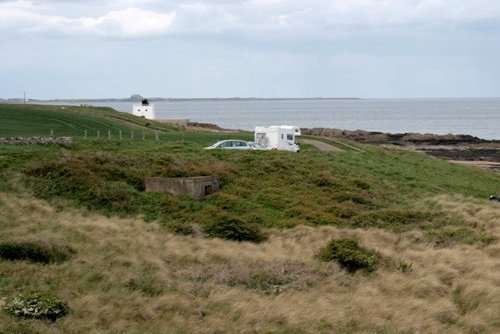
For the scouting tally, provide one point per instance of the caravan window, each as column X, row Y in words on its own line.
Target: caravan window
column 289, row 137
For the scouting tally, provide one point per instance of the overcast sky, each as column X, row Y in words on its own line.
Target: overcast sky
column 252, row 48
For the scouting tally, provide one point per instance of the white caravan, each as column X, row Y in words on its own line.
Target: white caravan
column 274, row 137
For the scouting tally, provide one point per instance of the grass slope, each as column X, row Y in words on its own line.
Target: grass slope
column 410, row 208
column 30, row 120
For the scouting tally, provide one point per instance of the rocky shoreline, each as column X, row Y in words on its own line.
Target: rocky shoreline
column 395, row 138
column 460, row 148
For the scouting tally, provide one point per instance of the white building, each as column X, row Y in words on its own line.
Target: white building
column 282, row 137
column 145, row 109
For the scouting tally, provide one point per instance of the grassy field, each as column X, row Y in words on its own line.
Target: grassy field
column 40, row 120
column 145, row 263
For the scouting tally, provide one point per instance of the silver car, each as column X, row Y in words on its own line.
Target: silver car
column 235, row 144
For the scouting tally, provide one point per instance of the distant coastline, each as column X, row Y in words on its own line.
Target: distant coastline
column 478, row 117
column 201, row 99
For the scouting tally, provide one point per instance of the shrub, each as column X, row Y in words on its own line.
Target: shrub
column 266, row 281
column 36, row 251
column 234, row 229
column 179, row 227
column 349, row 255
column 39, row 305
column 114, row 196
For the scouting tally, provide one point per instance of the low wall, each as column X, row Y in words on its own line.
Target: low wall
column 174, row 121
column 61, row 141
column 196, row 187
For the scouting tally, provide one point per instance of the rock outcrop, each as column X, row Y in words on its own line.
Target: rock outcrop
column 394, row 138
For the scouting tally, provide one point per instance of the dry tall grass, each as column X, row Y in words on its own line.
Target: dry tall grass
column 132, row 277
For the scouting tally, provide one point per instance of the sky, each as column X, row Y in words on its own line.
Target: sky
column 250, row 48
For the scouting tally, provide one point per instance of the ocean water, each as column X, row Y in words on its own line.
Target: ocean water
column 473, row 116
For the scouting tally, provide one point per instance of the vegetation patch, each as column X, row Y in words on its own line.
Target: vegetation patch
column 99, row 181
column 146, row 283
column 40, row 251
column 39, row 305
column 180, row 227
column 393, row 219
column 349, row 255
column 465, row 235
column 404, row 266
column 232, row 228
column 191, row 286
column 268, row 277
column 19, row 328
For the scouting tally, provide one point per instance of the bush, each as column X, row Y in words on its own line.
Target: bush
column 39, row 305
column 36, row 251
column 230, row 228
column 349, row 255
column 180, row 228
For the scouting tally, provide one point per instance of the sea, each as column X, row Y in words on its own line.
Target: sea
column 478, row 117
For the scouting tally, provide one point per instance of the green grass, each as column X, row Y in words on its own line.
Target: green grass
column 131, row 276
column 40, row 120
column 375, row 187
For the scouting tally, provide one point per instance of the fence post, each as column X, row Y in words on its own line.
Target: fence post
column 132, row 134
column 143, row 135
column 120, row 133
column 156, row 136
column 51, row 132
column 98, row 134
column 85, row 135
column 109, row 134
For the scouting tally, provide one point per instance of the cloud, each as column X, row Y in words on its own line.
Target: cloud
column 129, row 22
column 27, row 17
column 145, row 18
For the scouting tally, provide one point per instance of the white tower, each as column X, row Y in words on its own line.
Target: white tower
column 145, row 109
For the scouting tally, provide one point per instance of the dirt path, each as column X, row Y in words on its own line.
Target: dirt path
column 321, row 146
column 483, row 164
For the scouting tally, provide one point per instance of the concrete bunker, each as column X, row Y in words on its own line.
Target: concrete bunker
column 196, row 187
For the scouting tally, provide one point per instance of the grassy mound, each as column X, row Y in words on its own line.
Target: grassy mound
column 39, row 305
column 349, row 255
column 231, row 228
column 271, row 189
column 40, row 251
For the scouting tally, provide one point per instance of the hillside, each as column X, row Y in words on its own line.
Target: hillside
column 40, row 120
column 143, row 262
